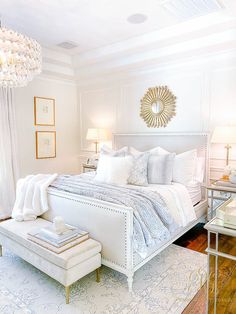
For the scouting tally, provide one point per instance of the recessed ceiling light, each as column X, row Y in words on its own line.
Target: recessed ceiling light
column 137, row 18
column 67, row 45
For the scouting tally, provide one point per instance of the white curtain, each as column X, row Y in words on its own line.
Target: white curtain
column 8, row 152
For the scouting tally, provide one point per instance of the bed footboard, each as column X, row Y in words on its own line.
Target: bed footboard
column 110, row 224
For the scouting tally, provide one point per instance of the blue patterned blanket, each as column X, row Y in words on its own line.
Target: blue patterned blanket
column 152, row 222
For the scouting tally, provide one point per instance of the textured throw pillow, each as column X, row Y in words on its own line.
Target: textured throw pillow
column 138, row 175
column 111, row 152
column 114, row 170
column 160, row 168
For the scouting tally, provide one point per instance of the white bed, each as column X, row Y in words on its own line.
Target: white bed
column 112, row 224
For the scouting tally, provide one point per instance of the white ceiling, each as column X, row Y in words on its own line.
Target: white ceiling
column 89, row 23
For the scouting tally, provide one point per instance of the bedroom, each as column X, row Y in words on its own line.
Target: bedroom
column 154, row 81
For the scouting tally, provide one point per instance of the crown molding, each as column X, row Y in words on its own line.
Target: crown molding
column 199, row 45
column 57, row 66
column 185, row 43
column 187, row 62
column 178, row 33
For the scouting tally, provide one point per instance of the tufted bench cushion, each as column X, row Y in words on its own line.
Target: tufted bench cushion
column 66, row 267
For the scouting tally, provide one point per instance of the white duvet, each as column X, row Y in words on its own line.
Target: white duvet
column 177, row 200
column 176, row 197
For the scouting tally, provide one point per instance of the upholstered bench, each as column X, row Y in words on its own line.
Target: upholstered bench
column 66, row 267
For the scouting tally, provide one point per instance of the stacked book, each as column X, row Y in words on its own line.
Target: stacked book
column 58, row 243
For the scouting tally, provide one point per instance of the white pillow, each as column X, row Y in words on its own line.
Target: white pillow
column 108, row 151
column 185, row 164
column 114, row 170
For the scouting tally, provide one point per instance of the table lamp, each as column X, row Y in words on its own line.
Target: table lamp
column 96, row 135
column 225, row 135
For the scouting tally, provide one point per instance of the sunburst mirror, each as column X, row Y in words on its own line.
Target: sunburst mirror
column 158, row 106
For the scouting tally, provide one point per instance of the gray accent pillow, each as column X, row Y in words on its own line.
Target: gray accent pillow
column 138, row 174
column 160, row 168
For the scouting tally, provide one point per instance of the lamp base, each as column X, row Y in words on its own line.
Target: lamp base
column 224, row 178
column 227, row 153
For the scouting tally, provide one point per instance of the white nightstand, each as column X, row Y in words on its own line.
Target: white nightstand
column 88, row 167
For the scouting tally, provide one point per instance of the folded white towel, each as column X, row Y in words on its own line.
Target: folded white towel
column 31, row 196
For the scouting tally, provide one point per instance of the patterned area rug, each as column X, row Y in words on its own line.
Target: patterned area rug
column 164, row 285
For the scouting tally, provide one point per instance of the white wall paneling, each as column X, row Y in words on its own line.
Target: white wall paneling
column 204, row 89
column 67, row 127
column 97, row 109
column 195, row 60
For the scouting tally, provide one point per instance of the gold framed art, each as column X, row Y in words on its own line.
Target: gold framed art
column 44, row 111
column 158, row 106
column 45, row 144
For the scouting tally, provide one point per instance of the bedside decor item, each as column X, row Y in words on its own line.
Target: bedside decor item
column 20, row 58
column 44, row 111
column 232, row 177
column 96, row 135
column 45, row 144
column 158, row 106
column 225, row 135
column 58, row 225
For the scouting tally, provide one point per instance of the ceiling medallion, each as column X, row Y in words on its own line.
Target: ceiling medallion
column 20, row 58
column 158, row 106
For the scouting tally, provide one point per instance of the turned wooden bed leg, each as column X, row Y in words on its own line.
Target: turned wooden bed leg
column 98, row 274
column 67, row 294
column 0, row 250
column 130, row 282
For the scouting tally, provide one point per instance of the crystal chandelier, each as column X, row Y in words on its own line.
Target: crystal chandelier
column 20, row 58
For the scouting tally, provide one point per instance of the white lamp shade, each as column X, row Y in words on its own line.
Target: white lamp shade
column 96, row 135
column 224, row 135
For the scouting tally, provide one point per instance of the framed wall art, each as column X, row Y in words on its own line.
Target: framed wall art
column 45, row 144
column 44, row 111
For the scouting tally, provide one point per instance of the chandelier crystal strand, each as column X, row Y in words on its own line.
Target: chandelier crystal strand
column 20, row 58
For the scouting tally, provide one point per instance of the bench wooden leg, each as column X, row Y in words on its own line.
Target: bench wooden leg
column 0, row 250
column 98, row 274
column 67, row 294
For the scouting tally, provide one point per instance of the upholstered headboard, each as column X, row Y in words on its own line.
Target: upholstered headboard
column 173, row 142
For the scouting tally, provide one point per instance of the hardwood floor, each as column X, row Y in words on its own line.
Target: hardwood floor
column 196, row 239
